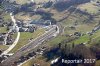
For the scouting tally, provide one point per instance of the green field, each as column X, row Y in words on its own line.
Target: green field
column 3, row 47
column 14, row 35
column 85, row 24
column 56, row 40
column 3, row 29
column 90, row 8
column 6, row 17
column 84, row 39
column 24, row 38
column 26, row 17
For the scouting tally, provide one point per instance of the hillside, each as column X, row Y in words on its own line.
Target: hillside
column 76, row 34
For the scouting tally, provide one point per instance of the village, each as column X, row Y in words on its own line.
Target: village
column 38, row 33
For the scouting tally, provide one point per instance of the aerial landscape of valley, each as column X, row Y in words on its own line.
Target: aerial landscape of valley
column 49, row 32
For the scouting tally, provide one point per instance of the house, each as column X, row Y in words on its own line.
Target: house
column 2, row 36
column 32, row 25
column 1, row 20
column 27, row 29
column 9, row 40
column 32, row 29
column 77, row 34
column 19, row 23
column 22, row 29
column 26, row 26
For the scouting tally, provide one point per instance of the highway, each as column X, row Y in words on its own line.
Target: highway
column 29, row 46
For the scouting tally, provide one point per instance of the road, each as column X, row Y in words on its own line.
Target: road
column 28, row 47
column 60, row 27
column 31, row 45
column 13, row 20
column 17, row 38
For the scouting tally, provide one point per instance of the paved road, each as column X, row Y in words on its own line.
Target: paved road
column 60, row 28
column 17, row 38
column 28, row 47
column 13, row 20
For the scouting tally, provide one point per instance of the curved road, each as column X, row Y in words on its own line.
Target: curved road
column 28, row 47
column 18, row 36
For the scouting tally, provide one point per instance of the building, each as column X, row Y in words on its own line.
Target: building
column 32, row 25
column 2, row 36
